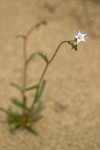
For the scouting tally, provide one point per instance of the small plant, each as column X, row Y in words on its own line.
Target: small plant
column 29, row 115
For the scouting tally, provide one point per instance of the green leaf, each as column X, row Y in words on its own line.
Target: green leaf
column 13, row 117
column 35, row 114
column 31, row 88
column 31, row 57
column 19, row 104
column 21, row 36
column 16, row 86
column 33, row 129
column 40, row 90
column 44, row 57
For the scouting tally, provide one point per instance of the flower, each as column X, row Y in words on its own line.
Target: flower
column 80, row 37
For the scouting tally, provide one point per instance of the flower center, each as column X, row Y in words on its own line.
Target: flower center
column 79, row 37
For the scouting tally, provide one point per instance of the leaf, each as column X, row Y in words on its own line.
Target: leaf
column 14, row 119
column 16, row 86
column 31, row 88
column 44, row 57
column 40, row 90
column 21, row 36
column 33, row 129
column 35, row 114
column 31, row 57
column 19, row 104
column 13, row 116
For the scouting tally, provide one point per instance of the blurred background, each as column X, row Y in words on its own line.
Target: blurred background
column 72, row 95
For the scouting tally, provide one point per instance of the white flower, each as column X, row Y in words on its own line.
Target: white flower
column 80, row 37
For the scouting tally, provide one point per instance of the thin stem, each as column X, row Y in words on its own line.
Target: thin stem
column 24, row 70
column 57, row 51
column 25, row 38
column 25, row 59
column 43, row 22
column 45, row 69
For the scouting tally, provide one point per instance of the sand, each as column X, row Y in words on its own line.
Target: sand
column 72, row 96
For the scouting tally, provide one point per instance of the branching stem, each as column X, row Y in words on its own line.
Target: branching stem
column 26, row 60
column 44, row 71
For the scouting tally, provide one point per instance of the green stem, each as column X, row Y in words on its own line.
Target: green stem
column 26, row 61
column 45, row 69
column 24, row 71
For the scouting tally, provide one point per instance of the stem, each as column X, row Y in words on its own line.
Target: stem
column 24, row 70
column 25, row 59
column 45, row 69
column 36, row 26
column 25, row 38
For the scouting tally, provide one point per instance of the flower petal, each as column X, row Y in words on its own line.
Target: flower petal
column 83, row 39
column 76, row 36
column 80, row 37
column 83, row 35
column 78, row 40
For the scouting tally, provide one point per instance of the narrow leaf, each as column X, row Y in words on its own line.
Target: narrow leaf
column 31, row 57
column 40, row 90
column 13, row 116
column 31, row 88
column 34, row 130
column 16, row 86
column 21, row 36
column 44, row 57
column 37, row 112
column 19, row 104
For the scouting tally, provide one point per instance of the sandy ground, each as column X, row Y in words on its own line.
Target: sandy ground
column 72, row 96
